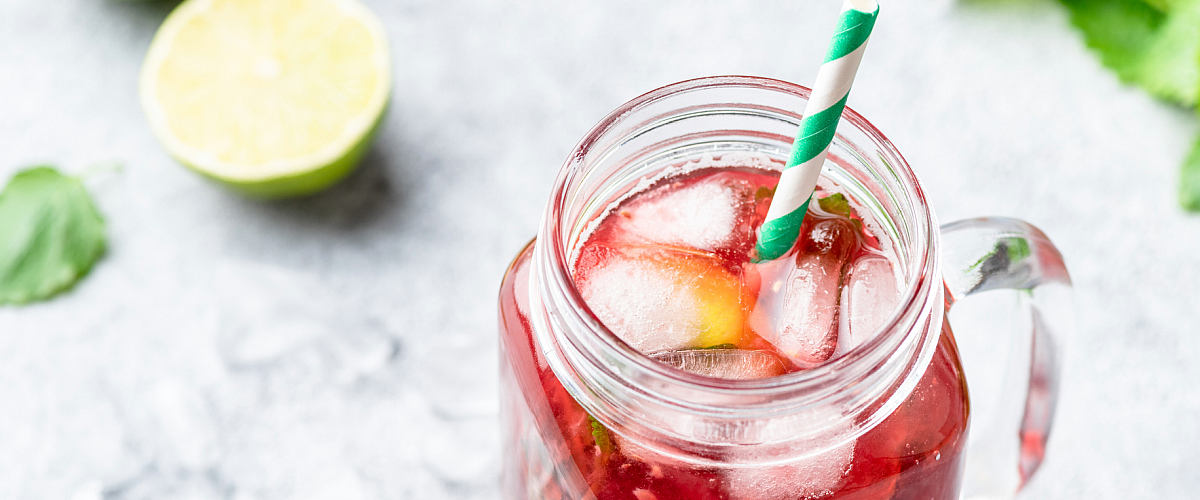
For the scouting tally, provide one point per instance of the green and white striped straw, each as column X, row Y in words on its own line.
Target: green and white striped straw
column 782, row 226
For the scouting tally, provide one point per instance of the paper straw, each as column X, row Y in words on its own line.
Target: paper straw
column 782, row 226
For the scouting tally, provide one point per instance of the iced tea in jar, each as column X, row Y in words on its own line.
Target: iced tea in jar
column 646, row 354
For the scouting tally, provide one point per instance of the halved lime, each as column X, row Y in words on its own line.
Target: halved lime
column 274, row 98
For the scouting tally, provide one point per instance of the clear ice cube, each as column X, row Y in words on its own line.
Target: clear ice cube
column 799, row 314
column 712, row 214
column 725, row 363
column 661, row 300
column 814, row 476
column 808, row 324
column 642, row 303
column 868, row 299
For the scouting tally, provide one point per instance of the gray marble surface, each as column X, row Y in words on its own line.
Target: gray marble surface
column 344, row 346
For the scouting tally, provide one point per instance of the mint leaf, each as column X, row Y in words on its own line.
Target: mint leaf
column 1161, row 5
column 50, row 235
column 1018, row 249
column 1189, row 180
column 1170, row 68
column 1120, row 31
column 764, row 193
column 1152, row 43
column 836, row 204
column 600, row 435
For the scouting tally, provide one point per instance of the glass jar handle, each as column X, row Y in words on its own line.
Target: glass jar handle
column 999, row 253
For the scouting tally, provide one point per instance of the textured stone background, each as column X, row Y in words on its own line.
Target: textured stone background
column 344, row 346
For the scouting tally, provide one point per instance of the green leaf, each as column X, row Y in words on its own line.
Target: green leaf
column 836, row 204
column 600, row 435
column 1189, row 180
column 1152, row 43
column 50, row 235
column 764, row 193
column 1161, row 5
column 1120, row 31
column 1017, row 248
column 1170, row 68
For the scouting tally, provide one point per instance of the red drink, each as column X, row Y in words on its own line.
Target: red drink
column 645, row 355
column 659, row 275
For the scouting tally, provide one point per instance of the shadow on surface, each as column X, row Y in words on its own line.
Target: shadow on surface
column 148, row 11
column 358, row 201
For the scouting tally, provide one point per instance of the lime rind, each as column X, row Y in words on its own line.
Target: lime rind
column 300, row 183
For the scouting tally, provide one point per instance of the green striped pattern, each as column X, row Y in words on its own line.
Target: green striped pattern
column 782, row 227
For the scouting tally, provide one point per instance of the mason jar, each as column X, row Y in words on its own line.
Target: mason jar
column 584, row 415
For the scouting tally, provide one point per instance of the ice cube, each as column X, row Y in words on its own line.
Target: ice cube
column 868, row 299
column 808, row 322
column 799, row 314
column 725, row 363
column 710, row 214
column 661, row 300
column 814, row 476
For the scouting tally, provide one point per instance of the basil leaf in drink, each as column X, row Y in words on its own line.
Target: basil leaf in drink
column 1189, row 180
column 50, row 235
